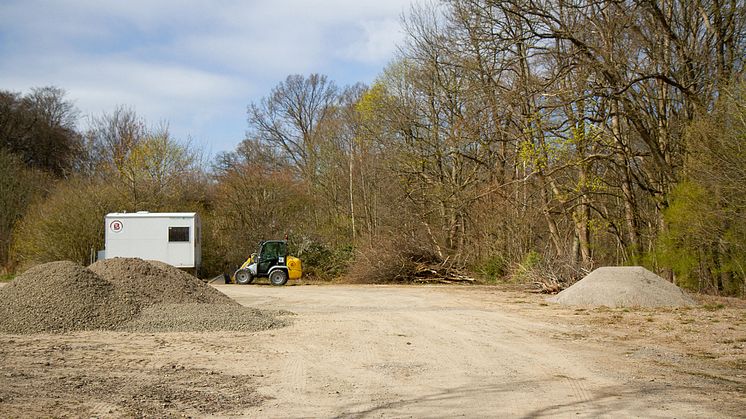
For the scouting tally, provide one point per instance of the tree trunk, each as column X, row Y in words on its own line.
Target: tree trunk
column 628, row 195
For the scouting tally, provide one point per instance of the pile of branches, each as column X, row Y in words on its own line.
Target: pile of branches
column 389, row 263
column 439, row 272
column 552, row 276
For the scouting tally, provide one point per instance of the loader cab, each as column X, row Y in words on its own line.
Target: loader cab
column 271, row 253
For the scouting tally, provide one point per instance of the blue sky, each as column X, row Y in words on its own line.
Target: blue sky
column 195, row 64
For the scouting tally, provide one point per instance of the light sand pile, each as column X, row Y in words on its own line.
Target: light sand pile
column 121, row 294
column 623, row 286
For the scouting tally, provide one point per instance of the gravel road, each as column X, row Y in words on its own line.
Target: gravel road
column 444, row 351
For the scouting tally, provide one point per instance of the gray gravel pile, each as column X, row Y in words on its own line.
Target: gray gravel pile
column 623, row 286
column 202, row 318
column 121, row 294
column 151, row 282
column 59, row 297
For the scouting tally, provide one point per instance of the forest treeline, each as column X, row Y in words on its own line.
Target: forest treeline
column 529, row 140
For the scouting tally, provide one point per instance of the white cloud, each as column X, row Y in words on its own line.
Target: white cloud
column 193, row 62
column 102, row 82
column 378, row 43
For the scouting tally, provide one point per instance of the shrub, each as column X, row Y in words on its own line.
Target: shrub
column 494, row 267
column 320, row 260
column 66, row 226
column 524, row 269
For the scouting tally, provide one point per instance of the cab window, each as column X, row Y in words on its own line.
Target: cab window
column 273, row 250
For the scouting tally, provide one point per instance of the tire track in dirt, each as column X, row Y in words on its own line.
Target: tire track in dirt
column 102, row 410
column 579, row 389
column 295, row 375
column 545, row 364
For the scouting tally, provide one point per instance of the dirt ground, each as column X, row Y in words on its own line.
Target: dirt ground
column 395, row 351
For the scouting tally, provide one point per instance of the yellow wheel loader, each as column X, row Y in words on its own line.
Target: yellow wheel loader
column 272, row 261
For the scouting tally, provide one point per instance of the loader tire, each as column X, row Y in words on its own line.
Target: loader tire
column 244, row 277
column 278, row 277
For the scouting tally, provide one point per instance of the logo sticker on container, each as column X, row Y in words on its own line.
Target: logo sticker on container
column 116, row 226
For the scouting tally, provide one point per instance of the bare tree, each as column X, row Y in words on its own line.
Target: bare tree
column 289, row 118
column 148, row 167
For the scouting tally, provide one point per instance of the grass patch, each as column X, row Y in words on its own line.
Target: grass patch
column 6, row 277
column 713, row 307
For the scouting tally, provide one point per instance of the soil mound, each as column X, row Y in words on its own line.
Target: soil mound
column 149, row 282
column 628, row 286
column 59, row 297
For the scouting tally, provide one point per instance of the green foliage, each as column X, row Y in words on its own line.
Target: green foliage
column 494, row 267
column 69, row 224
column 677, row 247
column 533, row 154
column 370, row 104
column 705, row 243
column 530, row 261
column 321, row 260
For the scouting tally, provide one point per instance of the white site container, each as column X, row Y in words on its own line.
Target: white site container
column 170, row 237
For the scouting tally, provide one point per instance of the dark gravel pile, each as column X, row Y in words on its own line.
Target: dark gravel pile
column 121, row 294
column 59, row 297
column 150, row 282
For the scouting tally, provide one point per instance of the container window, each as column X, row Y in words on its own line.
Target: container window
column 178, row 234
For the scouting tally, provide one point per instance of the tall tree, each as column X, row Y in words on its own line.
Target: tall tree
column 705, row 243
column 149, row 169
column 40, row 128
column 289, row 119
